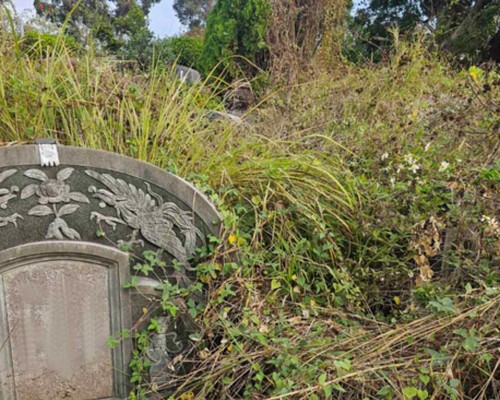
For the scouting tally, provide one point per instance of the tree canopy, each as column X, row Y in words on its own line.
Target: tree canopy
column 193, row 13
column 235, row 28
column 465, row 27
column 122, row 29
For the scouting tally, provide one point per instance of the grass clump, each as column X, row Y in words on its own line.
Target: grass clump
column 360, row 257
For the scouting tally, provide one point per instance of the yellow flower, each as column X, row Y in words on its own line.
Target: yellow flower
column 232, row 239
column 473, row 75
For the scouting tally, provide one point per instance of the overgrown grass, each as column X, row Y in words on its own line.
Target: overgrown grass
column 355, row 263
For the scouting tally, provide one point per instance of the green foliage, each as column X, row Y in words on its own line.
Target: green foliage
column 134, row 28
column 236, row 29
column 82, row 18
column 43, row 44
column 124, row 31
column 193, row 13
column 359, row 256
column 184, row 50
column 466, row 28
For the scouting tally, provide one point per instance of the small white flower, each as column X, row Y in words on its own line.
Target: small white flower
column 409, row 158
column 399, row 167
column 384, row 156
column 414, row 168
column 493, row 224
column 427, row 147
column 393, row 181
column 459, row 160
column 443, row 166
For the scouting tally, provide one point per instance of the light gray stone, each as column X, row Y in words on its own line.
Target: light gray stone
column 59, row 304
column 213, row 115
column 186, row 74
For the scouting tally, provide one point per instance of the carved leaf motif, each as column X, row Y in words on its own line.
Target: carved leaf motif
column 54, row 230
column 76, row 196
column 64, row 174
column 40, row 211
column 28, row 191
column 68, row 209
column 36, row 174
column 71, row 233
column 5, row 174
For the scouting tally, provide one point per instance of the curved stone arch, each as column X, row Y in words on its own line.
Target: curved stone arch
column 24, row 179
column 12, row 156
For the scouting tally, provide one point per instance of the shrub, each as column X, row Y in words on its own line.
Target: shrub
column 36, row 43
column 236, row 28
column 185, row 50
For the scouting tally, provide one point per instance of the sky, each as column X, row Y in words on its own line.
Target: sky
column 162, row 19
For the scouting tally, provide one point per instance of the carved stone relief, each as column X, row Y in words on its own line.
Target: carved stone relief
column 147, row 213
column 162, row 348
column 54, row 192
column 144, row 211
column 5, row 196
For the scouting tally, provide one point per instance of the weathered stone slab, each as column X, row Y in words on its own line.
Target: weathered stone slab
column 59, row 304
column 187, row 74
column 59, row 316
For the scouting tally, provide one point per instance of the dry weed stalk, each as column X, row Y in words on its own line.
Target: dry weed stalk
column 303, row 34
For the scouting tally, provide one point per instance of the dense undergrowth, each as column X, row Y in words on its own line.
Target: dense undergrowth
column 361, row 252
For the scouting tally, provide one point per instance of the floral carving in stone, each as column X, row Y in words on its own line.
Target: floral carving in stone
column 51, row 193
column 5, row 196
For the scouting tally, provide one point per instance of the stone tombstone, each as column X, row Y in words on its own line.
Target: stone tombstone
column 186, row 74
column 73, row 223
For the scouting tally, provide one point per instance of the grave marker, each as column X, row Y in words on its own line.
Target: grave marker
column 63, row 229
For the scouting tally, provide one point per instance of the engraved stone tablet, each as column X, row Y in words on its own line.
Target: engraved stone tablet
column 59, row 304
column 58, row 312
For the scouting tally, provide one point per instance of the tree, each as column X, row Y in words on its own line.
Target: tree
column 123, row 31
column 134, row 35
column 184, row 50
column 90, row 16
column 193, row 13
column 236, row 28
column 465, row 27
